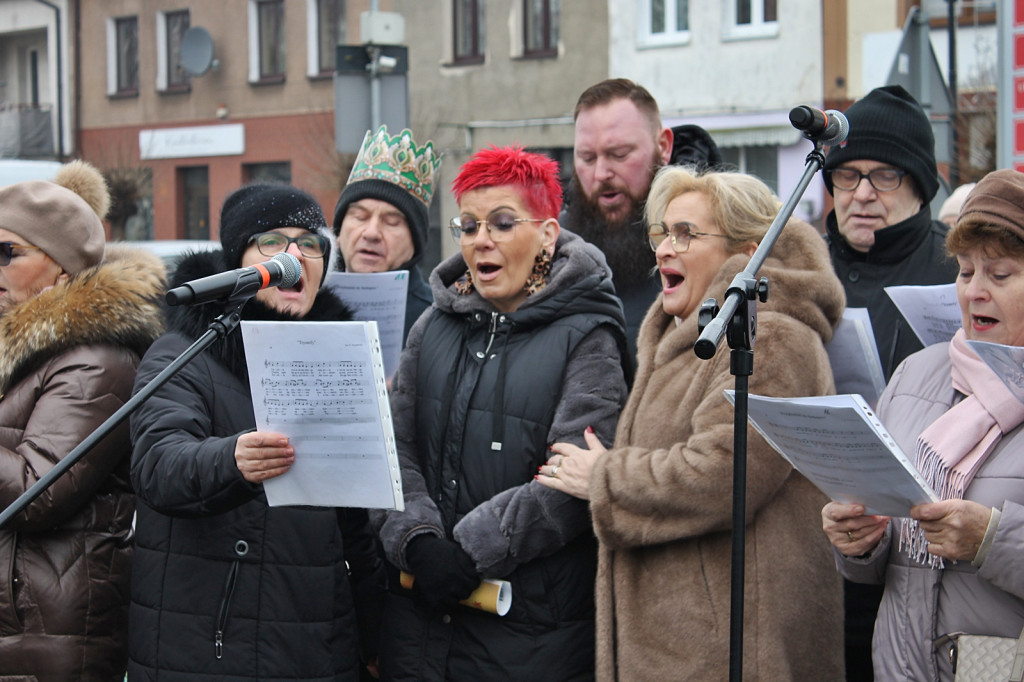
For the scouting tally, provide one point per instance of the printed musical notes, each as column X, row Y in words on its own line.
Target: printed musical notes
column 322, row 385
column 377, row 296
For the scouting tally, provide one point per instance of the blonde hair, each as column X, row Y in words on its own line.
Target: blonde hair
column 742, row 206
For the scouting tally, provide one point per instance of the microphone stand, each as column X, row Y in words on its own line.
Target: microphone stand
column 737, row 318
column 219, row 328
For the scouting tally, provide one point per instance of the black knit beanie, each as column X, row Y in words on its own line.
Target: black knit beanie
column 253, row 209
column 415, row 211
column 888, row 125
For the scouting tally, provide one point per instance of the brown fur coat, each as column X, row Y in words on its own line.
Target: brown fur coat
column 661, row 499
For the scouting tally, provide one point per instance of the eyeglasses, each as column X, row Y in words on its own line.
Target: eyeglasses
column 273, row 243
column 680, row 234
column 7, row 250
column 500, row 228
column 882, row 179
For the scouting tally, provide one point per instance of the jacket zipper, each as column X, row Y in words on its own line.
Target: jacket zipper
column 222, row 614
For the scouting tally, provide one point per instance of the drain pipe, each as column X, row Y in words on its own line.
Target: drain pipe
column 60, row 80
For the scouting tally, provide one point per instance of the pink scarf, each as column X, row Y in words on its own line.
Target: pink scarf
column 952, row 449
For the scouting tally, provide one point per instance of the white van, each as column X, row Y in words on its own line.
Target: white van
column 19, row 170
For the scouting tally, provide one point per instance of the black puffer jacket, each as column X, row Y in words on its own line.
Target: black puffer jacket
column 224, row 586
column 909, row 252
column 478, row 398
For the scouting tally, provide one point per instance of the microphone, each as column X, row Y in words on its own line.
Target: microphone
column 828, row 127
column 283, row 270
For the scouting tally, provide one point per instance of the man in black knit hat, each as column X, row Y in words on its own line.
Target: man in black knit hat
column 381, row 219
column 880, row 234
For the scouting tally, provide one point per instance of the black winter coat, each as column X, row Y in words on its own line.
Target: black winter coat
column 478, row 398
column 910, row 252
column 224, row 586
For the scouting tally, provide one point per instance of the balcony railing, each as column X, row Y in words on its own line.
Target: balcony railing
column 26, row 132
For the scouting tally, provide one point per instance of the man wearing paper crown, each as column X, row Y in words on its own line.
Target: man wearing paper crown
column 381, row 218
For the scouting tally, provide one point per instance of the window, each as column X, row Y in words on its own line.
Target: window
column 541, row 28
column 470, row 36
column 171, row 27
column 195, row 183
column 330, row 32
column 270, row 38
column 127, row 55
column 751, row 19
column 277, row 172
column 663, row 22
column 760, row 160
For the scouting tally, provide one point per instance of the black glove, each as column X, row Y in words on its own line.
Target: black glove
column 445, row 574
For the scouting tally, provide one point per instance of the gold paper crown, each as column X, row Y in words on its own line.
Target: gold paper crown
column 397, row 160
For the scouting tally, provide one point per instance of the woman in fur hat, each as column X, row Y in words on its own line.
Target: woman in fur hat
column 225, row 586
column 74, row 322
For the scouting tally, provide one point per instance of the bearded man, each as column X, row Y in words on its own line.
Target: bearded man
column 620, row 143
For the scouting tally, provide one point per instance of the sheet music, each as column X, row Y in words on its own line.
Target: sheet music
column 322, row 385
column 931, row 311
column 1006, row 361
column 377, row 296
column 839, row 444
column 853, row 355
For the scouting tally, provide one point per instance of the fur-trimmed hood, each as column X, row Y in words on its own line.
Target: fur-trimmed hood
column 114, row 303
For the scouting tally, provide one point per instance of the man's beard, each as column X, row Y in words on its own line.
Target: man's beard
column 623, row 241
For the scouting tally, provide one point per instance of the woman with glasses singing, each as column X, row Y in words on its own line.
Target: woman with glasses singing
column 661, row 496
column 224, row 586
column 522, row 347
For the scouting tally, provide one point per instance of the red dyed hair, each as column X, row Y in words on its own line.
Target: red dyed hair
column 534, row 175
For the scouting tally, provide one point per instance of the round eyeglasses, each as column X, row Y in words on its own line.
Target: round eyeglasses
column 7, row 250
column 310, row 245
column 882, row 179
column 681, row 234
column 500, row 227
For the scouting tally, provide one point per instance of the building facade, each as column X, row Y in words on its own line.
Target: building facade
column 182, row 102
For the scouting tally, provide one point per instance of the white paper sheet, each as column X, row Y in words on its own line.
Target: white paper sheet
column 853, row 355
column 838, row 443
column 931, row 311
column 322, row 385
column 1006, row 361
column 377, row 296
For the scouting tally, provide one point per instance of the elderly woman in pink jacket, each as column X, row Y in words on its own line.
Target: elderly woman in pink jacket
column 955, row 565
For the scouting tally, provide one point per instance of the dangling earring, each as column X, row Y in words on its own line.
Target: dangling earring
column 538, row 278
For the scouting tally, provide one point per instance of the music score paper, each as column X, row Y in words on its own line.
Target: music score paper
column 322, row 385
column 854, row 356
column 838, row 443
column 380, row 297
column 931, row 311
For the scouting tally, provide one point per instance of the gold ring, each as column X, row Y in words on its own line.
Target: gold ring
column 849, row 535
column 561, row 458
column 554, row 470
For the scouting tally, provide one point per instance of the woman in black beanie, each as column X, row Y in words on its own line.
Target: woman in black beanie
column 223, row 585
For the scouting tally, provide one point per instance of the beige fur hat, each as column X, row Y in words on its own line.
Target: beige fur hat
column 62, row 217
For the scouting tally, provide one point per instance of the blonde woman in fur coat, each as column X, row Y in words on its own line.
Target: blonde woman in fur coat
column 661, row 496
column 75, row 318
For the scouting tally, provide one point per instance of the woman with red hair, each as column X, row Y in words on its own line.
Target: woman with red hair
column 523, row 347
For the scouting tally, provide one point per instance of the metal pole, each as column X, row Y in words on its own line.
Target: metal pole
column 954, row 156
column 374, row 68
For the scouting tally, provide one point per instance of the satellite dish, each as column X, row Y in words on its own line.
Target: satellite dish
column 197, row 51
